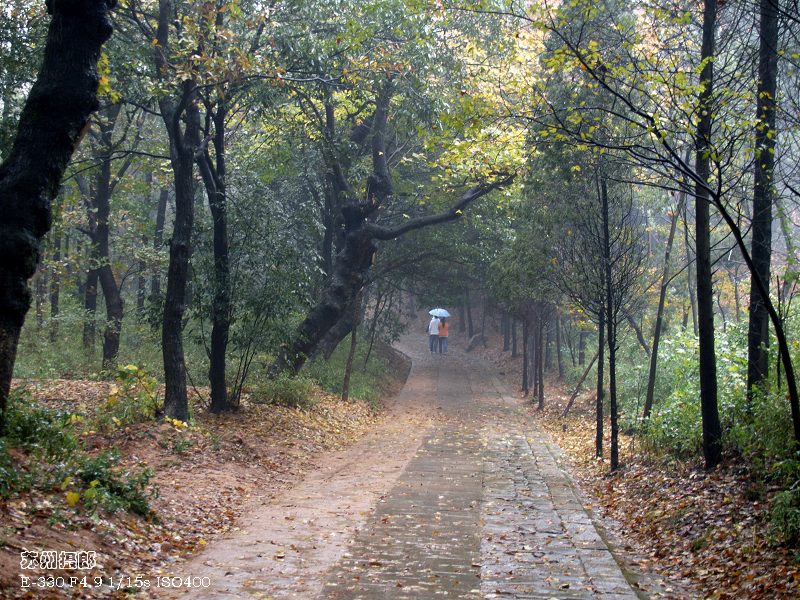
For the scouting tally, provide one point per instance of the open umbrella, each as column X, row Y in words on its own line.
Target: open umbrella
column 439, row 312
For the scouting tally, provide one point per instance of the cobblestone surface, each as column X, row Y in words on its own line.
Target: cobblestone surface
column 483, row 510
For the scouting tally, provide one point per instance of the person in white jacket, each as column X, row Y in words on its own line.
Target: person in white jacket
column 433, row 335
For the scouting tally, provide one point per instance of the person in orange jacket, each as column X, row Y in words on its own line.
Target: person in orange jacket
column 444, row 330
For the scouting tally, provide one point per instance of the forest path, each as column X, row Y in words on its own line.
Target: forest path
column 456, row 494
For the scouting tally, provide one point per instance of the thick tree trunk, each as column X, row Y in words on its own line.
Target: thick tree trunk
column 114, row 309
column 50, row 128
column 348, row 277
column 214, row 176
column 651, row 378
column 712, row 430
column 761, row 229
column 331, row 340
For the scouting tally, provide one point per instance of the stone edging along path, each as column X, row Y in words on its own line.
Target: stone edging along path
column 458, row 494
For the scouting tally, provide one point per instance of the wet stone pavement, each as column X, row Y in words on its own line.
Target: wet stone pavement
column 483, row 510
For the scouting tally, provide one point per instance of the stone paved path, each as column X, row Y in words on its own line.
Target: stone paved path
column 467, row 503
column 483, row 510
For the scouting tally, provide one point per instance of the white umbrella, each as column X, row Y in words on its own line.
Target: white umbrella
column 439, row 312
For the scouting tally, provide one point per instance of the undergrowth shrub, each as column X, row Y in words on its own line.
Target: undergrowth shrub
column 42, row 450
column 294, row 392
column 132, row 399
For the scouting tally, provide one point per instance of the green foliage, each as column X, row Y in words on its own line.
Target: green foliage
column 104, row 485
column 133, row 399
column 785, row 509
column 41, row 450
column 295, row 392
column 365, row 382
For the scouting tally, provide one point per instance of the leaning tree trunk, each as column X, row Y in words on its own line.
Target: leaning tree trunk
column 651, row 378
column 349, row 274
column 50, row 128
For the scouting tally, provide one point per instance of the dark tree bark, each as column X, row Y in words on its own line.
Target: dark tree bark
column 97, row 198
column 763, row 194
column 612, row 309
column 651, row 378
column 514, row 337
column 90, row 309
column 506, row 327
column 184, row 140
column 50, row 127
column 352, row 263
column 712, row 430
column 214, row 175
column 462, row 317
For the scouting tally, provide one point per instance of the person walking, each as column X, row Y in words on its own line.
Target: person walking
column 444, row 330
column 433, row 334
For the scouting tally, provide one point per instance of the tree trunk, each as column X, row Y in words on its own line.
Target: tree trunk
column 611, row 324
column 601, row 342
column 55, row 288
column 525, row 355
column 559, row 358
column 541, row 361
column 348, row 368
column 470, row 328
column 712, row 430
column 505, row 326
column 651, row 378
column 548, row 347
column 639, row 335
column 462, row 317
column 114, row 308
column 331, row 340
column 578, row 386
column 348, row 277
column 761, row 229
column 50, row 128
column 690, row 271
column 90, row 309
column 214, row 178
column 514, row 352
column 182, row 148
column 158, row 242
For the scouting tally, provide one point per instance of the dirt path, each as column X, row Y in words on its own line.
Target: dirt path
column 456, row 494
